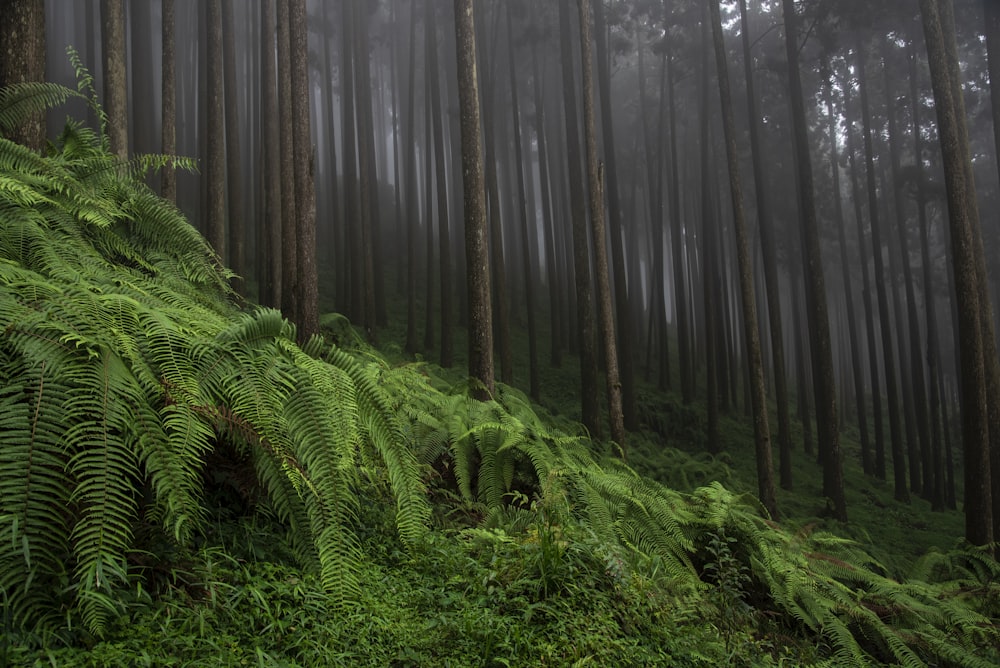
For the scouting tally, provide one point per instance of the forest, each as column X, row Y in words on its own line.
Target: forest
column 499, row 332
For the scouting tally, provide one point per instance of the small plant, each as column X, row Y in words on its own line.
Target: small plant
column 730, row 579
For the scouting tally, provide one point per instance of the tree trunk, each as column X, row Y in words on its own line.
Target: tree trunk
column 410, row 176
column 476, row 244
column 595, row 176
column 888, row 349
column 963, row 219
column 828, row 436
column 289, row 218
column 272, row 157
column 769, row 261
column 115, row 85
column 168, row 127
column 234, row 160
column 215, row 163
column 751, row 332
column 22, row 34
column 581, row 250
column 305, row 191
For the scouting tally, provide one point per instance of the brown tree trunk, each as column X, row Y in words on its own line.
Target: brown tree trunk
column 758, row 395
column 476, row 243
column 581, row 250
column 769, row 261
column 272, row 157
column 115, row 85
column 22, row 36
column 888, row 349
column 977, row 356
column 828, row 436
column 447, row 315
column 289, row 221
column 234, row 160
column 215, row 163
column 168, row 127
column 595, row 178
column 307, row 310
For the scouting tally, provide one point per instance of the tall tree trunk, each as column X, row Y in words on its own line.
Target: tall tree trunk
column 888, row 349
column 685, row 353
column 22, row 34
column 367, row 172
column 548, row 233
column 936, row 463
column 215, row 163
column 444, row 241
column 595, row 176
column 828, row 436
column 410, row 176
column 476, row 244
column 852, row 327
column 234, row 175
column 581, row 250
column 770, row 261
column 289, row 218
column 272, row 157
column 527, row 264
column 168, row 126
column 305, row 190
column 115, row 85
column 876, row 466
column 963, row 217
column 751, row 332
column 623, row 301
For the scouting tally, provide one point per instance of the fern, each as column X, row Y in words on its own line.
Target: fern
column 125, row 362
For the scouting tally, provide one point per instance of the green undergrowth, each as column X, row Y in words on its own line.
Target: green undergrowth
column 183, row 482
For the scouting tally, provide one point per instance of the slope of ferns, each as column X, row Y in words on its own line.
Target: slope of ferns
column 125, row 364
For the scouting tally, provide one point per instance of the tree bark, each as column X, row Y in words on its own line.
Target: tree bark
column 828, row 436
column 272, row 157
column 215, row 163
column 476, row 243
column 168, row 127
column 751, row 332
column 307, row 310
column 234, row 159
column 22, row 34
column 963, row 217
column 595, row 177
column 115, row 85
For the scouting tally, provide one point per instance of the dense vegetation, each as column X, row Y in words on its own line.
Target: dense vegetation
column 184, row 483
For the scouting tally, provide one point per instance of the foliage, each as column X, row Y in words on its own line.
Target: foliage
column 124, row 365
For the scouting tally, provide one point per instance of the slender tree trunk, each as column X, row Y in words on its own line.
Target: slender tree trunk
column 367, row 173
column 545, row 181
column 444, row 241
column 770, row 262
column 581, row 250
column 623, row 301
column 527, row 265
column 828, row 436
column 289, row 218
column 888, row 349
column 852, row 327
column 215, row 164
column 751, row 332
column 168, row 127
column 595, row 177
column 410, row 176
column 115, row 86
column 305, row 190
column 963, row 217
column 22, row 36
column 234, row 160
column 476, row 244
column 272, row 157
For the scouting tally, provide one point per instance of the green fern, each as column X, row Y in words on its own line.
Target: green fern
column 125, row 363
